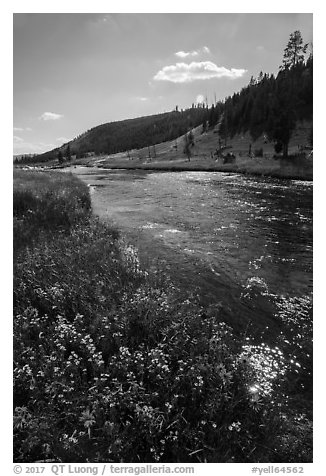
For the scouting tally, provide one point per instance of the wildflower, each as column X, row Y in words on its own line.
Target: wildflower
column 253, row 389
column 199, row 381
column 244, row 360
column 235, row 426
column 21, row 417
column 168, row 406
column 88, row 419
column 255, row 401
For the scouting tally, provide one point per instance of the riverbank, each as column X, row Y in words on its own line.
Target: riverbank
column 112, row 366
column 295, row 168
column 281, row 170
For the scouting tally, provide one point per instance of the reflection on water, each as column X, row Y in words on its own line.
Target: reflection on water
column 217, row 233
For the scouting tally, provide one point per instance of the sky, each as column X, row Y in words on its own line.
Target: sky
column 74, row 71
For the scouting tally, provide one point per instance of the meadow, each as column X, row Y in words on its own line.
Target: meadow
column 110, row 364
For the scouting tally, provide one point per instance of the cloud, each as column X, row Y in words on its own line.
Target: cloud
column 184, row 54
column 62, row 139
column 50, row 116
column 21, row 129
column 22, row 147
column 200, row 99
column 186, row 73
column 141, row 98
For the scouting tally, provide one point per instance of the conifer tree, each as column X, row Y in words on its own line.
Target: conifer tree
column 60, row 157
column 68, row 153
column 294, row 51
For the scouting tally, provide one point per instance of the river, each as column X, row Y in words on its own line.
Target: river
column 223, row 238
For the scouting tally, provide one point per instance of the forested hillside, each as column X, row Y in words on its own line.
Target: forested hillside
column 272, row 105
column 136, row 133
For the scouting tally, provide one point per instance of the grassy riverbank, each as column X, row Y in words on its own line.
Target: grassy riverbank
column 295, row 168
column 110, row 365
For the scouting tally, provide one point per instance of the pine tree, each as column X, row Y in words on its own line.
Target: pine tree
column 211, row 116
column 284, row 108
column 189, row 140
column 60, row 157
column 68, row 153
column 204, row 125
column 294, row 51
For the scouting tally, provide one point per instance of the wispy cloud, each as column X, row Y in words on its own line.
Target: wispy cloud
column 50, row 116
column 22, row 147
column 141, row 98
column 21, row 129
column 185, row 54
column 62, row 139
column 186, row 73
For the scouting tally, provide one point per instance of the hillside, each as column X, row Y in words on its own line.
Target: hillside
column 272, row 107
column 119, row 136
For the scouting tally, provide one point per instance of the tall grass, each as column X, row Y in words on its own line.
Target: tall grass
column 111, row 366
column 46, row 202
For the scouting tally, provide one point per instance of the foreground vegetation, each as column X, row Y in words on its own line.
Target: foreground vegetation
column 110, row 364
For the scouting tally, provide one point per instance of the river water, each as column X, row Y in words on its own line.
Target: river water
column 221, row 237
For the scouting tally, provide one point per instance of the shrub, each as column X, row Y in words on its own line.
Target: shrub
column 259, row 152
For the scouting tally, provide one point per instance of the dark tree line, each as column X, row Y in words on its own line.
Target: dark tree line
column 272, row 105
